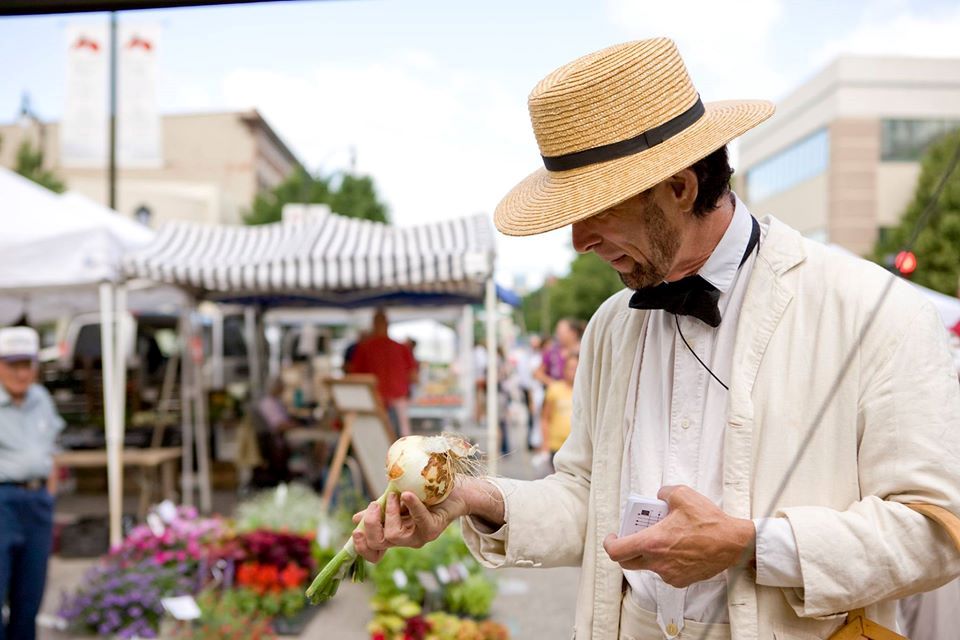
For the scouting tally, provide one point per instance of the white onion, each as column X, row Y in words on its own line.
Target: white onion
column 427, row 465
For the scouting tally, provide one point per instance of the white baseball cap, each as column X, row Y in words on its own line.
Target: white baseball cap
column 19, row 343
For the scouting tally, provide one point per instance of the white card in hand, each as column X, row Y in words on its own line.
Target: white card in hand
column 641, row 512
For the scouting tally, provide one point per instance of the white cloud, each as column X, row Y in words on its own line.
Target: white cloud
column 726, row 45
column 898, row 31
column 439, row 142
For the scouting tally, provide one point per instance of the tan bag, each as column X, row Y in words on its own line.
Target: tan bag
column 859, row 626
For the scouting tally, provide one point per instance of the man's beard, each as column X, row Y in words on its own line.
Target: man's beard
column 664, row 242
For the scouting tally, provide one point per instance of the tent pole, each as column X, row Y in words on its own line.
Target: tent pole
column 217, row 347
column 120, row 337
column 468, row 376
column 493, row 440
column 186, row 406
column 108, row 363
column 253, row 350
column 200, row 433
column 120, row 353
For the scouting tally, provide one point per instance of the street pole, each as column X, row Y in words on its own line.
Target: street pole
column 112, row 169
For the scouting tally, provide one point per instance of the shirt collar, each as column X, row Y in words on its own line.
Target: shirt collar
column 6, row 400
column 722, row 265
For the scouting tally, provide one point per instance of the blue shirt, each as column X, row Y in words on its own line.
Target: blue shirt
column 28, row 432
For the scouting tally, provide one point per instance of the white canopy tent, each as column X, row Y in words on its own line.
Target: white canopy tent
column 52, row 242
column 321, row 259
column 54, row 247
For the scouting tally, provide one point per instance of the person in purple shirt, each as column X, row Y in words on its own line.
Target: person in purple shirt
column 566, row 341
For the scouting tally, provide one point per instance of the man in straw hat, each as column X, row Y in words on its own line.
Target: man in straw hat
column 786, row 402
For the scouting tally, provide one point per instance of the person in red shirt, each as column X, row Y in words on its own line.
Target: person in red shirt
column 393, row 365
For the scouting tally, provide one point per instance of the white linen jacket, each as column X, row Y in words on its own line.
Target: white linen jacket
column 843, row 405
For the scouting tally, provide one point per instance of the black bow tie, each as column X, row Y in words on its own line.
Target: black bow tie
column 690, row 296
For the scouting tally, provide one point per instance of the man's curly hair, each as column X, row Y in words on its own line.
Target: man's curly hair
column 713, row 181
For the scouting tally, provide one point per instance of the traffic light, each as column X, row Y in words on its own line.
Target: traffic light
column 906, row 263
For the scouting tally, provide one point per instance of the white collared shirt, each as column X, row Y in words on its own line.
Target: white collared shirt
column 677, row 431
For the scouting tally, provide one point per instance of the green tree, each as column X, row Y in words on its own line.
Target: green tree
column 348, row 195
column 30, row 165
column 938, row 244
column 577, row 295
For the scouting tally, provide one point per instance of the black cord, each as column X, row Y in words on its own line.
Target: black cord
column 689, row 348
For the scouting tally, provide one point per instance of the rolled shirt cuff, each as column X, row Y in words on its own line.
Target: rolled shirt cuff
column 778, row 559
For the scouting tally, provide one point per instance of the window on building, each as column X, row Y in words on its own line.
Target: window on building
column 884, row 233
column 906, row 140
column 791, row 166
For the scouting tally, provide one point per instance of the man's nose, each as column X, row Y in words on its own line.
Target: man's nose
column 584, row 237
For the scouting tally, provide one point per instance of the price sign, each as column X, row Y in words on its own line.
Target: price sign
column 181, row 607
column 155, row 524
column 443, row 574
column 324, row 534
column 400, row 578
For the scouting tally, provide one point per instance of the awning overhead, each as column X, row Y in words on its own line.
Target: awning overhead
column 326, row 259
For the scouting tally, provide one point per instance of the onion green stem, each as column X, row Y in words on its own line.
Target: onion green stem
column 346, row 562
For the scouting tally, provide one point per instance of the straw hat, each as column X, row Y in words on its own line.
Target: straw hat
column 611, row 125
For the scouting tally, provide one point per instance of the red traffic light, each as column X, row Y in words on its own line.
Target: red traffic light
column 905, row 262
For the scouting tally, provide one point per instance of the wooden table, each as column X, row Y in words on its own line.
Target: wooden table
column 150, row 461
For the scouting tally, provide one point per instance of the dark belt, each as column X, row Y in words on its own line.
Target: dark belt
column 34, row 484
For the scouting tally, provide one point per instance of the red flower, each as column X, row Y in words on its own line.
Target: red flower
column 417, row 628
column 247, row 574
column 268, row 578
column 292, row 576
column 379, row 635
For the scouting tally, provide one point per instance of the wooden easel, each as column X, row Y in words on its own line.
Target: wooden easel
column 858, row 625
column 366, row 428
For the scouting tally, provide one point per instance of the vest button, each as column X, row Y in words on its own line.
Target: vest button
column 672, row 630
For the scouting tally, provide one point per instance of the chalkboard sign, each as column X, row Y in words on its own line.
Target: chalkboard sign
column 366, row 432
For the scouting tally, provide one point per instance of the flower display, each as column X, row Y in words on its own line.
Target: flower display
column 121, row 594
column 124, row 600
column 180, row 537
column 293, row 508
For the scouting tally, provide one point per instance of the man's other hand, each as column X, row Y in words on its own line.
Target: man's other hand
column 696, row 540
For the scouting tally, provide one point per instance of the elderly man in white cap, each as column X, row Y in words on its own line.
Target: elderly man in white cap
column 795, row 410
column 29, row 425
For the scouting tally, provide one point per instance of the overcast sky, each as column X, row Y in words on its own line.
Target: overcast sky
column 432, row 95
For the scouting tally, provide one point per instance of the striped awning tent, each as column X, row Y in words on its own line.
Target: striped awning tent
column 323, row 259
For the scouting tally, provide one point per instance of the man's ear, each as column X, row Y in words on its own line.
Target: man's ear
column 682, row 188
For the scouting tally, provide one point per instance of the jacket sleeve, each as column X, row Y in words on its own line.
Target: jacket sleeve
column 546, row 519
column 909, row 451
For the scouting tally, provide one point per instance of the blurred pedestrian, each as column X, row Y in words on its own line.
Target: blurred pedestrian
column 274, row 421
column 29, row 425
column 567, row 335
column 412, row 345
column 394, row 367
column 526, row 361
column 351, row 349
column 557, row 414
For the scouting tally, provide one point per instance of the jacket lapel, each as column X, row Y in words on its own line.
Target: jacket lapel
column 625, row 337
column 767, row 297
